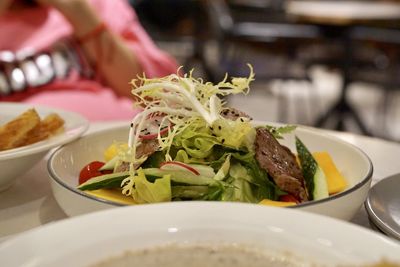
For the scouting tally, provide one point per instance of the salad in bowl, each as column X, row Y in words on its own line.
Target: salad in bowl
column 187, row 144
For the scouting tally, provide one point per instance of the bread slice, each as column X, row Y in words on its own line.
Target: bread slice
column 50, row 125
column 14, row 132
column 28, row 128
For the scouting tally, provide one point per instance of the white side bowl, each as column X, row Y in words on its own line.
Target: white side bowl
column 65, row 164
column 14, row 162
column 85, row 240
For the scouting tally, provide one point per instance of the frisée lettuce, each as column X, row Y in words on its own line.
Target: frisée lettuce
column 183, row 146
column 190, row 105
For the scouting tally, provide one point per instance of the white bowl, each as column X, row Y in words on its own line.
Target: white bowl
column 65, row 164
column 85, row 240
column 14, row 162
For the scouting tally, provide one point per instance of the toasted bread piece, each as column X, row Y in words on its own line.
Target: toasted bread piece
column 50, row 125
column 15, row 130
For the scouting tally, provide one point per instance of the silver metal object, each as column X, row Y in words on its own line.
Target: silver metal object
column 383, row 205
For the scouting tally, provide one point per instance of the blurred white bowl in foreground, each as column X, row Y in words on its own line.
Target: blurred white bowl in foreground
column 85, row 240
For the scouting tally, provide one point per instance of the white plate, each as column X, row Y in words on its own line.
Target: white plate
column 14, row 162
column 383, row 205
column 65, row 164
column 87, row 239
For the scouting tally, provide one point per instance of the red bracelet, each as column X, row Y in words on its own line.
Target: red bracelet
column 93, row 33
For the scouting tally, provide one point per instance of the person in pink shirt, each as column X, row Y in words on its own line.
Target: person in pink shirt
column 77, row 55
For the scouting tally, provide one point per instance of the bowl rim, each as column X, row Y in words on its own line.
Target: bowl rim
column 372, row 210
column 52, row 142
column 50, row 234
column 361, row 183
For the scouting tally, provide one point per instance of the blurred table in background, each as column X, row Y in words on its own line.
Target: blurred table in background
column 343, row 12
column 338, row 19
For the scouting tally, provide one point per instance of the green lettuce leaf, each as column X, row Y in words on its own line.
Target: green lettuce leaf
column 224, row 170
column 147, row 192
column 241, row 188
column 238, row 134
column 200, row 142
column 278, row 132
column 249, row 171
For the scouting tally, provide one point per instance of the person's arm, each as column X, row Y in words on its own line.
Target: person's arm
column 4, row 5
column 106, row 50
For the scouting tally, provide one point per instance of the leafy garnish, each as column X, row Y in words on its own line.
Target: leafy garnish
column 278, row 132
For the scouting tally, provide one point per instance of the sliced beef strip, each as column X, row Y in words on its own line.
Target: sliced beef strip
column 280, row 163
column 233, row 114
column 146, row 148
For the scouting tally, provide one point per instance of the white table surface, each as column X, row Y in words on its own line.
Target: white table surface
column 344, row 10
column 29, row 203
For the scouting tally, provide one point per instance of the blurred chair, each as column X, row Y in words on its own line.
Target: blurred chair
column 367, row 62
column 381, row 66
column 238, row 29
column 181, row 25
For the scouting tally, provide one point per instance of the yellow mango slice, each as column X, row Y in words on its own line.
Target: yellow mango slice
column 112, row 151
column 335, row 180
column 269, row 202
column 112, row 195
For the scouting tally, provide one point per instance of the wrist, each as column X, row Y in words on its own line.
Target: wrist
column 80, row 15
column 93, row 34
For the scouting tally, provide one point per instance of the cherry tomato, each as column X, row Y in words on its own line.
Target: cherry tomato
column 288, row 198
column 89, row 171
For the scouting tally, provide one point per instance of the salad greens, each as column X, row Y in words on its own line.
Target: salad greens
column 212, row 157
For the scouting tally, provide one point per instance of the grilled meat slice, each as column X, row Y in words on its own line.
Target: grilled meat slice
column 280, row 163
column 146, row 148
column 233, row 114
